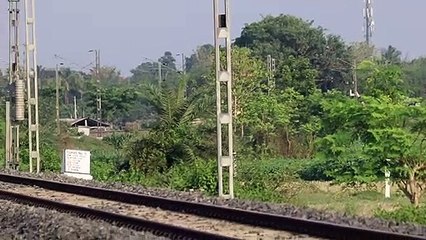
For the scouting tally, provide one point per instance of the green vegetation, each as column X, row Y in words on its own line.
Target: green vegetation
column 305, row 140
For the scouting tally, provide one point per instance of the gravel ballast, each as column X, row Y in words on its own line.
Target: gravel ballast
column 280, row 209
column 25, row 222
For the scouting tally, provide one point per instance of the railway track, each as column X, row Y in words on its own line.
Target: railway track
column 276, row 222
column 213, row 226
column 159, row 229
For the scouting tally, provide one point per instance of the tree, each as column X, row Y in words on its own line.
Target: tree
column 201, row 59
column 174, row 138
column 109, row 75
column 149, row 72
column 382, row 80
column 249, row 75
column 361, row 51
column 116, row 102
column 145, row 73
column 168, row 60
column 198, row 67
column 267, row 115
column 364, row 133
column 284, row 36
column 297, row 73
column 415, row 75
column 391, row 55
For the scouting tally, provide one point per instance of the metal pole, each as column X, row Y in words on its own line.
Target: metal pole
column 224, row 119
column 32, row 84
column 16, row 102
column 369, row 21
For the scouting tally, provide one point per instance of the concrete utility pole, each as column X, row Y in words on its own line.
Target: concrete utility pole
column 98, row 91
column 32, row 84
column 75, row 107
column 225, row 157
column 182, row 62
column 355, row 80
column 58, row 84
column 160, row 74
column 271, row 62
column 369, row 21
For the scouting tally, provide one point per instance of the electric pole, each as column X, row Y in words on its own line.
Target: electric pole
column 58, row 84
column 159, row 74
column 271, row 64
column 183, row 73
column 182, row 62
column 32, row 84
column 16, row 94
column 369, row 21
column 75, row 107
column 225, row 152
column 355, row 80
column 98, row 90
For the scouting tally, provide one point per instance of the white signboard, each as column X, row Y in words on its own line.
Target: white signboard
column 76, row 163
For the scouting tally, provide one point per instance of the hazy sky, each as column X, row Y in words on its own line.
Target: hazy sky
column 128, row 30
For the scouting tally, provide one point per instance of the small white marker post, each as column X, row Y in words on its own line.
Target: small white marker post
column 387, row 184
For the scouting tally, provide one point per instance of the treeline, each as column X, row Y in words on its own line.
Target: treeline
column 353, row 109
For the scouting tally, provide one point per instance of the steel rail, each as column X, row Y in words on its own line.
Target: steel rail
column 139, row 224
column 259, row 219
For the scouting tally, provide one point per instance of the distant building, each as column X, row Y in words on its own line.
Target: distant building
column 90, row 127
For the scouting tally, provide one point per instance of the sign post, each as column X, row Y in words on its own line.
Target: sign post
column 76, row 164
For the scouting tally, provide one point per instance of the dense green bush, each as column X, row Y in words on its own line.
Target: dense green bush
column 103, row 165
column 406, row 214
column 51, row 159
column 263, row 180
column 315, row 170
column 197, row 175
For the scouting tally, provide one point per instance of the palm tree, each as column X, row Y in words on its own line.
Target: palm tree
column 174, row 138
column 173, row 108
column 391, row 55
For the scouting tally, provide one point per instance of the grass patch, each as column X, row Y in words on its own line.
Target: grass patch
column 405, row 214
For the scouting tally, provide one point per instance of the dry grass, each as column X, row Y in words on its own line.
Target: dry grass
column 362, row 201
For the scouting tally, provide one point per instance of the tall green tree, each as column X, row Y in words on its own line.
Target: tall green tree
column 384, row 129
column 415, row 75
column 198, row 68
column 145, row 73
column 391, row 55
column 249, row 77
column 116, row 102
column 284, row 36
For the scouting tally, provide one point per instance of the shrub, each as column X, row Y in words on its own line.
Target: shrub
column 263, row 180
column 406, row 214
column 102, row 166
column 315, row 170
column 198, row 175
column 51, row 159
